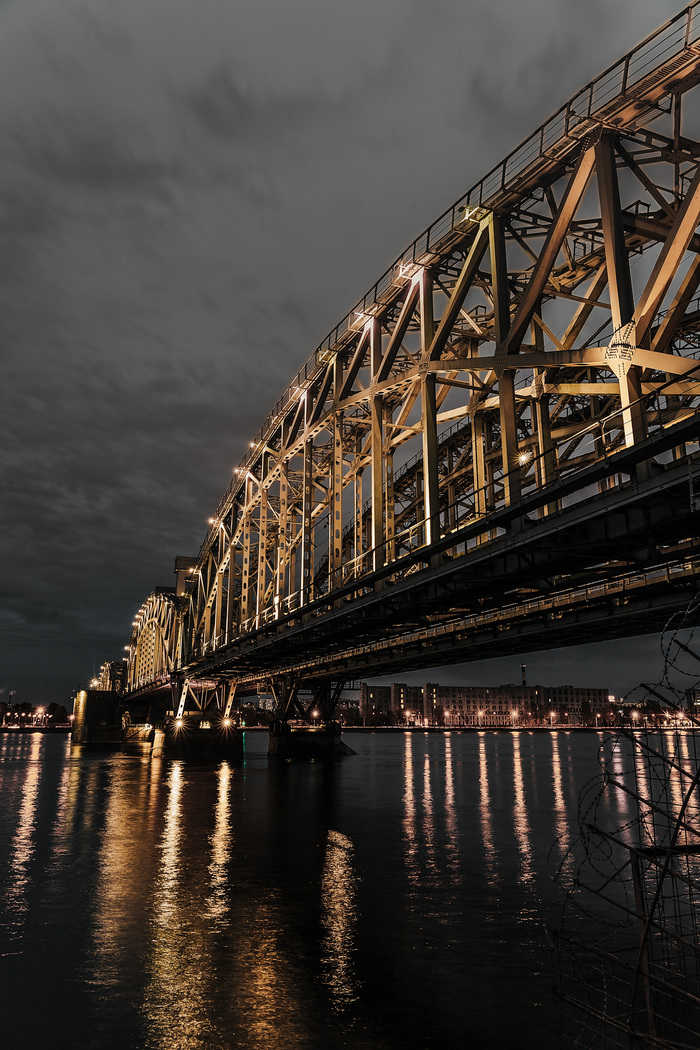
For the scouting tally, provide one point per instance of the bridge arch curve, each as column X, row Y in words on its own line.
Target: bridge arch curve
column 495, row 450
column 154, row 645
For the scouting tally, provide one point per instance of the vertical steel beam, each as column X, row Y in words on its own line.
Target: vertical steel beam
column 246, row 566
column 616, row 258
column 218, row 607
column 431, row 495
column 358, row 522
column 478, row 461
column 377, row 449
column 335, row 510
column 389, row 504
column 377, row 455
column 431, row 489
column 282, row 538
column 262, row 551
column 506, row 382
column 231, row 583
column 539, row 408
column 305, row 550
column 427, row 321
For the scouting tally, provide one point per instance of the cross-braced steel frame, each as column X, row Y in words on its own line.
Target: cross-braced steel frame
column 533, row 342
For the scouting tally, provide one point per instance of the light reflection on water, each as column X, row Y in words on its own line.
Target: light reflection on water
column 338, row 893
column 394, row 899
column 522, row 823
column 485, row 813
column 24, row 839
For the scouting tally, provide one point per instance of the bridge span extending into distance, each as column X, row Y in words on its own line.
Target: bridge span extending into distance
column 495, row 451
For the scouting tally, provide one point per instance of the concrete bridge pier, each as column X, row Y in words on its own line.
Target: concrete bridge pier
column 307, row 741
column 302, row 729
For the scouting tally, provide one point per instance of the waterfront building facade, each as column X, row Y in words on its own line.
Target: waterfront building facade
column 505, row 705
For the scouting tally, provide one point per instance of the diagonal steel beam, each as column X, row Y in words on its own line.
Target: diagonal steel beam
column 555, row 238
column 670, row 256
column 464, row 281
column 668, row 327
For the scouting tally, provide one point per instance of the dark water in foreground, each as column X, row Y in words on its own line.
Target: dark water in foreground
column 395, row 899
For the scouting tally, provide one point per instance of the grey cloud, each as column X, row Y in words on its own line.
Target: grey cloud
column 86, row 154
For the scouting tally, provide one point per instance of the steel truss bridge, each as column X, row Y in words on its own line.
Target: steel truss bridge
column 496, row 450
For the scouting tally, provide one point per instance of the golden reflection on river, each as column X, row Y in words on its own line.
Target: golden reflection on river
column 339, row 916
column 217, row 903
column 176, row 1017
column 23, row 842
column 409, row 812
column 562, row 825
column 523, row 833
column 428, row 818
column 485, row 814
column 451, row 828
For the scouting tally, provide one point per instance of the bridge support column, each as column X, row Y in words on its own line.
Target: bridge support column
column 320, row 736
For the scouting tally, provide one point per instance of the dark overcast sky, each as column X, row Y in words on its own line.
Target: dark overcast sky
column 192, row 194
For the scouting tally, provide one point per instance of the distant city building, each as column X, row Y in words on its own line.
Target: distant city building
column 460, row 705
column 692, row 702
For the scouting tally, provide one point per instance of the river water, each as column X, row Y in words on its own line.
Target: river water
column 397, row 898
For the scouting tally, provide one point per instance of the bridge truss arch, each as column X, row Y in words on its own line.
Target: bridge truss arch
column 154, row 649
column 505, row 426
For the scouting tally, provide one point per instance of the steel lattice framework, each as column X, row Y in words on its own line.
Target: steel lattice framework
column 154, row 646
column 532, row 356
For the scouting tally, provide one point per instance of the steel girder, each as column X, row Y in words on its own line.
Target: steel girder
column 543, row 324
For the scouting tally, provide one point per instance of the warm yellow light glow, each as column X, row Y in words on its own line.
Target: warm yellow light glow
column 227, row 722
column 178, row 723
column 523, row 457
